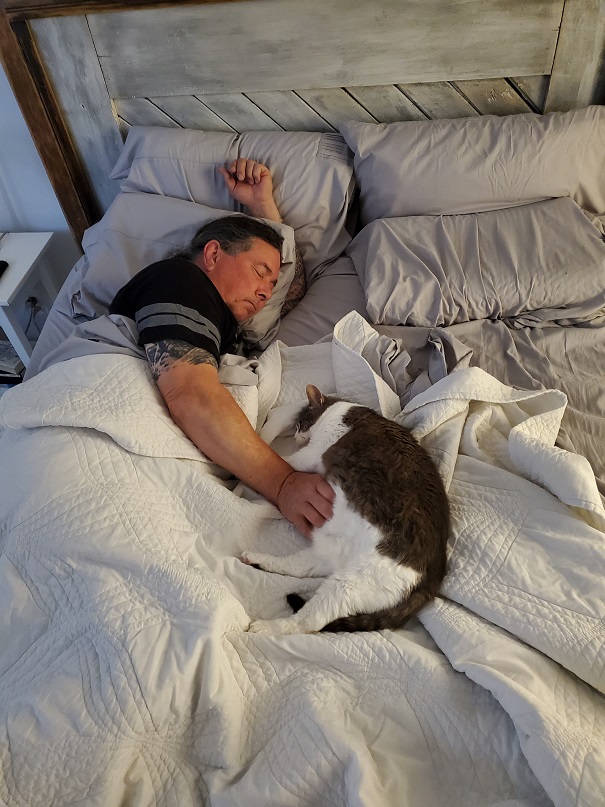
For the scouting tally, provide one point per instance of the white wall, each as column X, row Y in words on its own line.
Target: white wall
column 27, row 200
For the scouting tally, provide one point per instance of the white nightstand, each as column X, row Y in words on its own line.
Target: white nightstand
column 23, row 253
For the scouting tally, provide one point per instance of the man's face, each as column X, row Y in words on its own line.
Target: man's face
column 245, row 281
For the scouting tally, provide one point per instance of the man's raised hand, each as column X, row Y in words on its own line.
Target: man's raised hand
column 250, row 183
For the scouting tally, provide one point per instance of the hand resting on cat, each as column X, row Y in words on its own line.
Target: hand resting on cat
column 383, row 553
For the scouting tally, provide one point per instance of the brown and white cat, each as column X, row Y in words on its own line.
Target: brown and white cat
column 383, row 552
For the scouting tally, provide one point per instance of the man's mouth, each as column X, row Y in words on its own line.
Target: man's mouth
column 256, row 305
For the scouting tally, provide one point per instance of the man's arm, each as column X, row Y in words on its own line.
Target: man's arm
column 187, row 378
column 251, row 184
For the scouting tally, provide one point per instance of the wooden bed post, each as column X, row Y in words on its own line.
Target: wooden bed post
column 39, row 110
column 578, row 57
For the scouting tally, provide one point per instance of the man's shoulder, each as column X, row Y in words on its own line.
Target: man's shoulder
column 181, row 288
column 175, row 264
column 177, row 276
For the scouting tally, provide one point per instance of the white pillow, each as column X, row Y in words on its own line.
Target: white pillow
column 312, row 177
column 529, row 264
column 141, row 228
column 474, row 164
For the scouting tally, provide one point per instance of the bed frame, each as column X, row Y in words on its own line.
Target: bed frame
column 84, row 72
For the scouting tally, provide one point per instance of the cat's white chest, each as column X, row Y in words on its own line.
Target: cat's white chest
column 345, row 538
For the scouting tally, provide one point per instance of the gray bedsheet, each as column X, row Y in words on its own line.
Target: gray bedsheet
column 569, row 358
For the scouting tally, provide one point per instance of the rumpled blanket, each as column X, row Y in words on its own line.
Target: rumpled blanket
column 126, row 672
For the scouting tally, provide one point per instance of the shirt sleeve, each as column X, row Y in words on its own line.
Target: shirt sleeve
column 173, row 299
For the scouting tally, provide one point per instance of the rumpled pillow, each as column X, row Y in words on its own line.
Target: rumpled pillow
column 529, row 265
column 141, row 228
column 474, row 164
column 328, row 299
column 312, row 177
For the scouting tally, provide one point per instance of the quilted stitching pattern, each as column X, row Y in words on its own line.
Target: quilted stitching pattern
column 126, row 674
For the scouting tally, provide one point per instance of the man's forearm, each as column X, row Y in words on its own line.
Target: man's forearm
column 214, row 422
column 265, row 210
column 188, row 381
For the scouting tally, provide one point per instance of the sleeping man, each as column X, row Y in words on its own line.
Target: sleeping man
column 187, row 310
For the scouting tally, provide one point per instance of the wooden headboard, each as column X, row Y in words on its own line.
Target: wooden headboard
column 83, row 72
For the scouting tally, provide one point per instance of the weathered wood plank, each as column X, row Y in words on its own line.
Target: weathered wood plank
column 283, row 44
column 578, row 56
column 38, row 9
column 142, row 112
column 57, row 155
column 370, row 42
column 533, row 88
column 239, row 112
column 386, row 103
column 189, row 112
column 335, row 105
column 83, row 98
column 439, row 99
column 290, row 111
column 492, row 97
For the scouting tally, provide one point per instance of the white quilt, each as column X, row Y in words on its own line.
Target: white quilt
column 126, row 673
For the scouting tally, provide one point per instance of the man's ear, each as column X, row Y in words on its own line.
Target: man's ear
column 208, row 257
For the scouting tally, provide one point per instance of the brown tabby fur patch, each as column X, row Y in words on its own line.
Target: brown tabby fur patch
column 391, row 480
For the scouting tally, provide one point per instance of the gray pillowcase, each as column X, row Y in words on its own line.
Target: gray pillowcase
column 414, row 168
column 312, row 177
column 530, row 265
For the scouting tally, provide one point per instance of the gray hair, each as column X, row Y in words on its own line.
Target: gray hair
column 234, row 233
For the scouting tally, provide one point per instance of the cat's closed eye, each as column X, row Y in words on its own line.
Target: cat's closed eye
column 301, row 437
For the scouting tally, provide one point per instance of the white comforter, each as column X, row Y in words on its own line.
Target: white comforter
column 126, row 673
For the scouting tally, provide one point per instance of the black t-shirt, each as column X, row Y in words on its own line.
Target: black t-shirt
column 173, row 299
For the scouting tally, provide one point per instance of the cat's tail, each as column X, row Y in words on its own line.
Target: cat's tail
column 390, row 618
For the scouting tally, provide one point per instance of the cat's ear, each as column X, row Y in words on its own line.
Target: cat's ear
column 314, row 395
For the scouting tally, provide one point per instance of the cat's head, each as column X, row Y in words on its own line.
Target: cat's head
column 311, row 412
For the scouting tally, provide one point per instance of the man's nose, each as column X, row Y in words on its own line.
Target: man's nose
column 265, row 291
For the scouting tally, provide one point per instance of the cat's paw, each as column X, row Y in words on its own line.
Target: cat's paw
column 262, row 626
column 250, row 559
column 275, row 627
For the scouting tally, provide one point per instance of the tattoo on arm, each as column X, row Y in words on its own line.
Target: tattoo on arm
column 164, row 353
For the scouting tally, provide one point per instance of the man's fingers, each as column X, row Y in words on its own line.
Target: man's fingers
column 227, row 176
column 250, row 171
column 240, row 169
column 247, row 170
column 325, row 489
column 302, row 525
column 260, row 171
column 322, row 498
column 314, row 517
column 306, row 500
column 323, row 508
column 231, row 169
